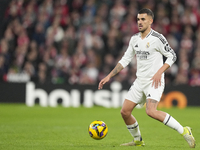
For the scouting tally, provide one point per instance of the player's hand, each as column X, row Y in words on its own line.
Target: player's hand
column 156, row 80
column 103, row 81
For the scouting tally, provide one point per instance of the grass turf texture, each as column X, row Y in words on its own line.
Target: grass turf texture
column 37, row 128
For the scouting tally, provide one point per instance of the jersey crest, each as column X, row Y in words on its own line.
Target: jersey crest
column 148, row 45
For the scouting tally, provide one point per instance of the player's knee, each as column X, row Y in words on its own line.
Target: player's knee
column 125, row 113
column 151, row 113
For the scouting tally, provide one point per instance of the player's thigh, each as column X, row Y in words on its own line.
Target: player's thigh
column 151, row 105
column 132, row 98
column 135, row 93
column 128, row 106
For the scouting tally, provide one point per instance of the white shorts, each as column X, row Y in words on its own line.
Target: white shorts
column 140, row 91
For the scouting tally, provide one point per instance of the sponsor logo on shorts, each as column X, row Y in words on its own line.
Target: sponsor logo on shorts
column 148, row 95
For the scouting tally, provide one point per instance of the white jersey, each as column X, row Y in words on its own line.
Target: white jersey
column 149, row 54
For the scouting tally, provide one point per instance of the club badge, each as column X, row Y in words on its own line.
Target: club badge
column 148, row 45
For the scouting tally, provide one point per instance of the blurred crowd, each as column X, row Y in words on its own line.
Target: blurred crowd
column 80, row 41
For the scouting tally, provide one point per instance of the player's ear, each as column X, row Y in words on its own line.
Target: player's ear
column 151, row 20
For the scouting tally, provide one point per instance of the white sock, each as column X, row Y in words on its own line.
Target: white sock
column 135, row 131
column 172, row 123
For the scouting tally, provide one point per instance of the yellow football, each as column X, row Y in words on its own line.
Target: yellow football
column 98, row 130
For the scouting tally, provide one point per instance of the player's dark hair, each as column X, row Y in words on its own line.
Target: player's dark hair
column 146, row 11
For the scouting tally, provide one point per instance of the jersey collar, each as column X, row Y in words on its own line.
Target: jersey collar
column 147, row 34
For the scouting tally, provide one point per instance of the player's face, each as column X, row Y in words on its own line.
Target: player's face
column 144, row 22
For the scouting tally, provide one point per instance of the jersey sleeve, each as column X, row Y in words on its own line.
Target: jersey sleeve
column 128, row 55
column 166, row 50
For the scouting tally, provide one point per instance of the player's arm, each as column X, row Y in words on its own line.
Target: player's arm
column 169, row 53
column 157, row 77
column 125, row 60
column 116, row 70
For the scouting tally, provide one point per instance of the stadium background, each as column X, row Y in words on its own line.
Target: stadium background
column 54, row 53
column 73, row 44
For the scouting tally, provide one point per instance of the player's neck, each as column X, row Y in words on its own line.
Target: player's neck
column 145, row 33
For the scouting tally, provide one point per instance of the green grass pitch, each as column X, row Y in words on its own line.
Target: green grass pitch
column 37, row 128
